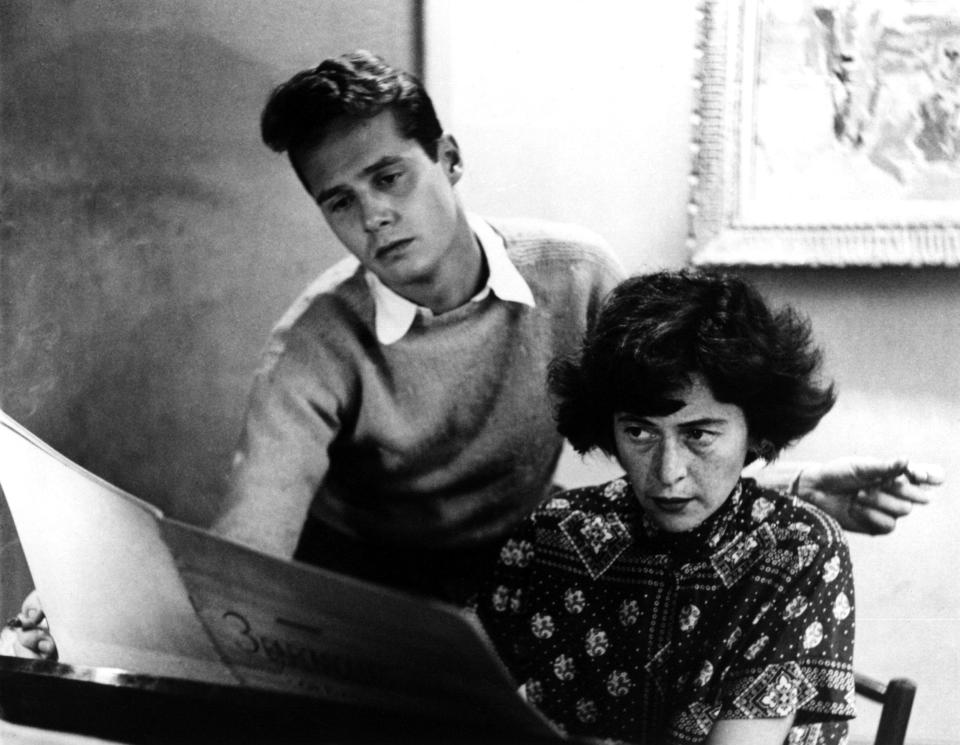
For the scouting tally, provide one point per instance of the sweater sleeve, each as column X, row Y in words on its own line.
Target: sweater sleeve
column 293, row 416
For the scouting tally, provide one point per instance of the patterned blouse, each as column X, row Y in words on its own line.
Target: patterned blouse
column 619, row 630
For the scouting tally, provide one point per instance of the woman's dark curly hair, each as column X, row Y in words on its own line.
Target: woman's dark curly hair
column 653, row 332
column 358, row 85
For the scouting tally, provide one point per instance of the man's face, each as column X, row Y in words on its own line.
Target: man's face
column 388, row 202
column 685, row 465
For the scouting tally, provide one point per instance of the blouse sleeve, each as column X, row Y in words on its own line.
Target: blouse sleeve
column 503, row 597
column 796, row 652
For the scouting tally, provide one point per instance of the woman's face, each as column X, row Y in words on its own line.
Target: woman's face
column 685, row 465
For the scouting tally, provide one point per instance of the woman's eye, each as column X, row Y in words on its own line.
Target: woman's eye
column 701, row 436
column 639, row 434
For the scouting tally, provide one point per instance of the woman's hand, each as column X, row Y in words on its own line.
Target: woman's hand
column 750, row 731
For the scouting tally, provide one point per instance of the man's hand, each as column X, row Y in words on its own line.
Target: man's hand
column 867, row 495
column 28, row 634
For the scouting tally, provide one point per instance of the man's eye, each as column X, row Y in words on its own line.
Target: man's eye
column 339, row 204
column 390, row 178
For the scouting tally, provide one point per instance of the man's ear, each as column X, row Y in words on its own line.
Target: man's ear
column 448, row 155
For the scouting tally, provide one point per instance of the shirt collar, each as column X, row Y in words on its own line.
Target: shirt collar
column 394, row 314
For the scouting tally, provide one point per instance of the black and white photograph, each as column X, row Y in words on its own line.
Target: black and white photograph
column 509, row 372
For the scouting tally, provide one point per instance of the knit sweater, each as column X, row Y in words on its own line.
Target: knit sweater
column 443, row 439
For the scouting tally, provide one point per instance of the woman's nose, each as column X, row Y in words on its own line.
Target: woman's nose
column 672, row 464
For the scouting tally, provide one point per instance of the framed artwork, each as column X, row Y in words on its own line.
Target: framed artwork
column 827, row 133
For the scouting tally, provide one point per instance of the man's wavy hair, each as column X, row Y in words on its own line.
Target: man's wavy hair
column 356, row 85
column 653, row 332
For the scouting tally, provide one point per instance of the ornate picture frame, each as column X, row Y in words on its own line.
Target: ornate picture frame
column 827, row 133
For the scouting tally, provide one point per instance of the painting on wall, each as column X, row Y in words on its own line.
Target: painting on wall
column 827, row 132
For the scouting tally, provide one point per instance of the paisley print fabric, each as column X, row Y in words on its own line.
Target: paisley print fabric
column 618, row 630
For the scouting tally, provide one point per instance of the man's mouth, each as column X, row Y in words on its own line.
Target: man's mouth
column 393, row 247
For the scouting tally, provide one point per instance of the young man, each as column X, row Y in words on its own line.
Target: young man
column 401, row 411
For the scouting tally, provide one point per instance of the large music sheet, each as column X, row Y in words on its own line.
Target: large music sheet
column 125, row 587
column 108, row 584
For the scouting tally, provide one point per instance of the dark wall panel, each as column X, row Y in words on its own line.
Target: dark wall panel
column 149, row 240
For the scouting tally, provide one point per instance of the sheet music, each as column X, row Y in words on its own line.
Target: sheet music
column 294, row 627
column 125, row 587
column 108, row 584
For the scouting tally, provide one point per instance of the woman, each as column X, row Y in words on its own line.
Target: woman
column 680, row 603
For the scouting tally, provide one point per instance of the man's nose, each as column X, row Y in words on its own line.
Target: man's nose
column 672, row 463
column 377, row 213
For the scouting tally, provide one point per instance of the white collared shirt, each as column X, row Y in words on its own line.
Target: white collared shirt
column 395, row 314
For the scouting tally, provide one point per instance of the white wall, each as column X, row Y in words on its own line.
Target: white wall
column 572, row 111
column 580, row 111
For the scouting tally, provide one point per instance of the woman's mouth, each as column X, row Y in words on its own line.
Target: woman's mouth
column 671, row 505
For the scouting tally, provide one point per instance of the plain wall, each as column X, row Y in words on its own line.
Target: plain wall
column 582, row 112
